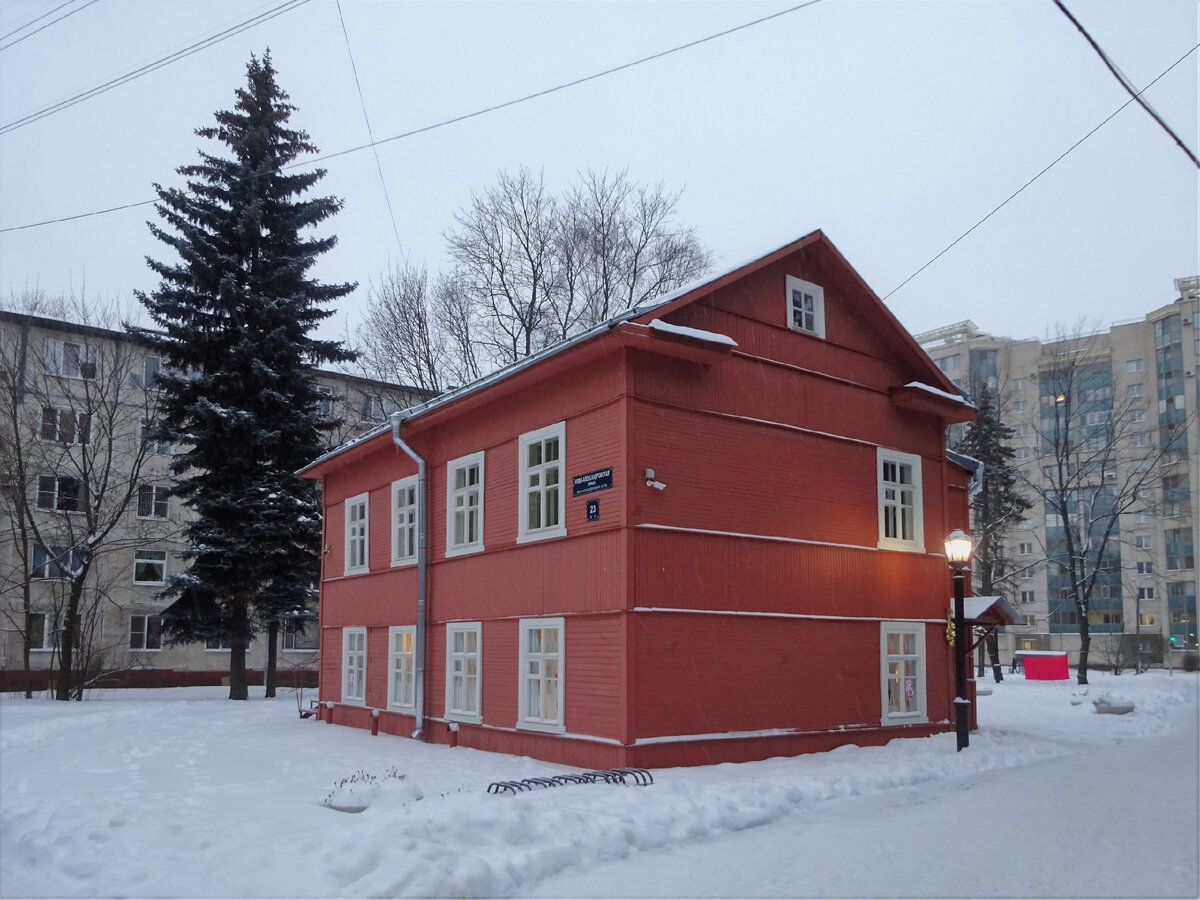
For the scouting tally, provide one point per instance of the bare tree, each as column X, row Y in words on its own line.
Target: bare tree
column 75, row 404
column 1099, row 460
column 529, row 269
column 399, row 339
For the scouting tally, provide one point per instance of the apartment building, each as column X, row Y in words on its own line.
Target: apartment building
column 1139, row 381
column 76, row 473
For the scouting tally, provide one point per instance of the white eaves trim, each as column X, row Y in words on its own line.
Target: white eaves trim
column 940, row 393
column 694, row 333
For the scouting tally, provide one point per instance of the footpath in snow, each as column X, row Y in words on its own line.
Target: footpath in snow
column 181, row 793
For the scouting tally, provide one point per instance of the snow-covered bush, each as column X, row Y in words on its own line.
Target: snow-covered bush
column 356, row 792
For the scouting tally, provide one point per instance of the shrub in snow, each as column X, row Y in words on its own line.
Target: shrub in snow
column 358, row 791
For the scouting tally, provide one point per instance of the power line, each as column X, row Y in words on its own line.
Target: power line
column 47, row 25
column 454, row 120
column 370, row 134
column 1036, row 177
column 562, row 87
column 5, row 37
column 152, row 66
column 1125, row 83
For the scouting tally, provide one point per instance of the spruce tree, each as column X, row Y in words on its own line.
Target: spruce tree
column 234, row 316
column 998, row 505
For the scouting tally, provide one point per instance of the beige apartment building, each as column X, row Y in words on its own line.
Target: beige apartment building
column 1139, row 379
column 77, row 475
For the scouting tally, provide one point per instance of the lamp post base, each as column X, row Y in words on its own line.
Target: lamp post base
column 962, row 722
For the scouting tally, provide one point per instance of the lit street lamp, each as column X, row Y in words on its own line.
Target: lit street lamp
column 958, row 554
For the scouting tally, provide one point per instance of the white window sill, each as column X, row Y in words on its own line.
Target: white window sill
column 401, row 563
column 900, row 546
column 145, row 649
column 402, row 708
column 541, row 535
column 464, row 717
column 464, row 550
column 906, row 719
column 301, row 650
column 361, row 570
column 150, row 583
column 543, row 727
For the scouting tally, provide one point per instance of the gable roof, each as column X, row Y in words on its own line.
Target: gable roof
column 907, row 347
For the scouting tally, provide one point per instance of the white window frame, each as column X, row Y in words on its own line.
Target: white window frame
column 405, row 521
column 79, row 425
column 354, row 663
column 147, row 556
column 1028, row 596
column 455, row 671
column 144, row 633
column 1025, row 548
column 357, row 529
column 45, row 641
column 885, row 503
column 402, row 663
column 58, row 361
column 50, row 489
column 158, row 494
column 1143, row 542
column 793, row 284
column 526, row 679
column 1134, row 365
column 920, row 714
column 528, row 473
column 453, row 494
column 1019, row 384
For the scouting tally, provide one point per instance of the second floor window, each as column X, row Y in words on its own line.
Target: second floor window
column 542, row 499
column 149, row 567
column 61, row 494
column 70, row 359
column 464, row 504
column 404, row 520
column 65, row 426
column 900, row 506
column 356, row 534
column 55, row 562
column 152, row 501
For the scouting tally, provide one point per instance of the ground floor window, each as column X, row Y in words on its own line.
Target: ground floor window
column 145, row 633
column 902, row 653
column 402, row 641
column 300, row 635
column 463, row 640
column 541, row 688
column 354, row 665
column 41, row 632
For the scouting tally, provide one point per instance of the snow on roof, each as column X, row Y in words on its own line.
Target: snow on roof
column 957, row 398
column 694, row 333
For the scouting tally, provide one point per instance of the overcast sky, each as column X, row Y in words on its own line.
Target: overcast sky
column 894, row 127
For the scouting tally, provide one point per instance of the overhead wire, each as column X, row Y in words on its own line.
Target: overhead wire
column 49, row 12
column 1125, row 83
column 370, row 134
column 454, row 120
column 153, row 66
column 1057, row 160
column 44, row 27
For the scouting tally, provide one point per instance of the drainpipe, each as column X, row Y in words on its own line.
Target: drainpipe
column 422, row 553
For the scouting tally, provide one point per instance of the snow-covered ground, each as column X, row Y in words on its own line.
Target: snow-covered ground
column 176, row 793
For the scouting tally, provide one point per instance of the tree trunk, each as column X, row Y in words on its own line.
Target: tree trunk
column 993, row 646
column 238, row 640
column 1085, row 643
column 66, row 652
column 27, row 648
column 272, row 659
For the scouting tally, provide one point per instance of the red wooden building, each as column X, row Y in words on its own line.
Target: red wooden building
column 707, row 530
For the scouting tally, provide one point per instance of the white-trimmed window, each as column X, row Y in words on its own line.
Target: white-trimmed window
column 542, row 502
column 540, row 701
column 149, row 566
column 41, row 632
column 65, row 426
column 162, row 448
column 60, row 493
column 152, row 501
column 1019, row 384
column 354, row 665
column 900, row 506
column 463, row 671
column 1028, row 596
column 464, row 504
column 902, row 652
column 51, row 562
column 1143, row 542
column 805, row 306
column 216, row 644
column 402, row 644
column 69, row 359
column 145, row 633
column 324, row 406
column 1025, row 548
column 356, row 534
column 404, row 521
column 1133, row 365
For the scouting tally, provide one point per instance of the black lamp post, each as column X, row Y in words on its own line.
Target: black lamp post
column 958, row 554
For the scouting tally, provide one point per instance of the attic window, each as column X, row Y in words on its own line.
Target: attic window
column 805, row 307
